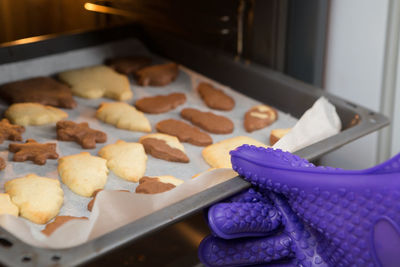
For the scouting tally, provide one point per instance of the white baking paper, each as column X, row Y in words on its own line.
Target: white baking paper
column 114, row 209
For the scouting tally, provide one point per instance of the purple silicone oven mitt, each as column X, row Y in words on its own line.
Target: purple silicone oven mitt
column 298, row 214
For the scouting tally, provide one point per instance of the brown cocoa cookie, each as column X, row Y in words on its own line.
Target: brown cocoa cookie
column 58, row 221
column 157, row 75
column 43, row 90
column 2, row 164
column 10, row 131
column 185, row 132
column 259, row 117
column 128, row 65
column 32, row 150
column 164, row 146
column 80, row 133
column 208, row 121
column 215, row 98
column 156, row 185
column 160, row 103
column 91, row 203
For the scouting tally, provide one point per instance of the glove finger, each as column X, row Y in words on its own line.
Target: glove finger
column 249, row 196
column 233, row 220
column 214, row 251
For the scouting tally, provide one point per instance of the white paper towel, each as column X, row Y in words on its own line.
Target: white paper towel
column 319, row 122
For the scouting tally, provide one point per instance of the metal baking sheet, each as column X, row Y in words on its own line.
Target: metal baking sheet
column 186, row 82
column 265, row 85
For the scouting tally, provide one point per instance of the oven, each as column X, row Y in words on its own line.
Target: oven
column 250, row 46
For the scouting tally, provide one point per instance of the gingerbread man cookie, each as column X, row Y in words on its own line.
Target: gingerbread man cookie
column 80, row 133
column 34, row 151
column 10, row 131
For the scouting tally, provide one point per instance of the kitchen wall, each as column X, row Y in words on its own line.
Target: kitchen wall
column 355, row 59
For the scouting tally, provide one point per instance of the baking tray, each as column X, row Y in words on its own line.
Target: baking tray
column 285, row 93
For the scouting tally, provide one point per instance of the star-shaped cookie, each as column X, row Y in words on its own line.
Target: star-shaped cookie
column 10, row 131
column 32, row 150
column 81, row 133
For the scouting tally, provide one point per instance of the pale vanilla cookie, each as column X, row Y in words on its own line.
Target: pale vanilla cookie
column 123, row 116
column 159, row 184
column 83, row 173
column 164, row 146
column 33, row 114
column 39, row 199
column 126, row 160
column 217, row 155
column 6, row 206
column 97, row 81
column 277, row 134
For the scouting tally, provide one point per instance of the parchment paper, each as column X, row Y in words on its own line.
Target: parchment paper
column 112, row 209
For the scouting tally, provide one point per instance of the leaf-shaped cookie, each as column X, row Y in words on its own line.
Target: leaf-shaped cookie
column 39, row 199
column 156, row 185
column 33, row 114
column 97, row 81
column 164, row 146
column 43, row 90
column 127, row 160
column 123, row 116
column 83, row 173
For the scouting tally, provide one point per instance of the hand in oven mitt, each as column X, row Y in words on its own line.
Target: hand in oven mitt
column 297, row 214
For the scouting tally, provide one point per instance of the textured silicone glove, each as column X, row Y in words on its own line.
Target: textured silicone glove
column 301, row 215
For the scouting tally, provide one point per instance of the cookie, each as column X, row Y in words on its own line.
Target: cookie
column 42, row 90
column 259, row 117
column 277, row 134
column 34, row 151
column 215, row 98
column 91, row 203
column 200, row 173
column 160, row 103
column 156, row 185
column 97, row 81
column 10, row 132
column 164, row 146
column 6, row 206
column 126, row 160
column 123, row 116
column 58, row 221
column 80, row 133
column 83, row 173
column 33, row 114
column 217, row 155
column 128, row 65
column 39, row 199
column 185, row 132
column 208, row 121
column 2, row 164
column 157, row 75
